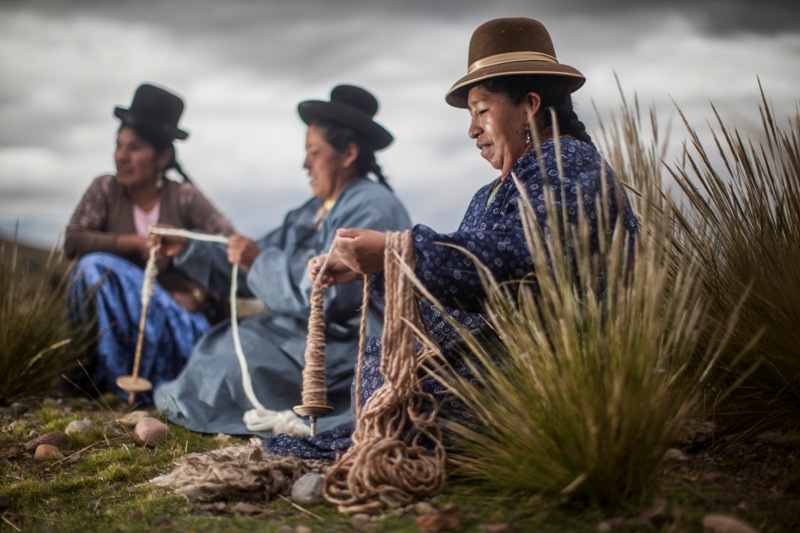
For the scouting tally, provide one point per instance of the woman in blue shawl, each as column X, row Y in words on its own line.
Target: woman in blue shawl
column 210, row 394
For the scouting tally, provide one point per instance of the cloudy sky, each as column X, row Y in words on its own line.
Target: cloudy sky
column 243, row 65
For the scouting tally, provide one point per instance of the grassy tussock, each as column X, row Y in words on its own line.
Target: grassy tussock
column 37, row 343
column 743, row 225
column 596, row 363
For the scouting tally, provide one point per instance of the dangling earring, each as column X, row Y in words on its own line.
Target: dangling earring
column 159, row 180
column 527, row 134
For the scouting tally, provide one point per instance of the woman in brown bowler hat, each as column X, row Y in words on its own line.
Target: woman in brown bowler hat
column 513, row 80
column 108, row 232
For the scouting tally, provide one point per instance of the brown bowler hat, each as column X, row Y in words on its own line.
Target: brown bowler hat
column 506, row 46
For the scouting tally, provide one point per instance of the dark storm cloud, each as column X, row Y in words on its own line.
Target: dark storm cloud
column 220, row 17
column 242, row 66
column 719, row 17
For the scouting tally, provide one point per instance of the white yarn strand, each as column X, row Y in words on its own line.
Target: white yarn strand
column 149, row 281
column 260, row 418
column 186, row 234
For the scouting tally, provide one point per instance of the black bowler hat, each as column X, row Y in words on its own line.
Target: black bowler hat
column 154, row 109
column 349, row 106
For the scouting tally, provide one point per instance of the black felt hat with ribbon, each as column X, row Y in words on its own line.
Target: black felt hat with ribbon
column 155, row 110
column 349, row 106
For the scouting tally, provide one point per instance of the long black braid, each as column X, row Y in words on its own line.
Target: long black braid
column 553, row 94
column 340, row 136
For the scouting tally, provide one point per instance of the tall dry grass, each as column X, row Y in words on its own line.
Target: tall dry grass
column 37, row 341
column 742, row 219
column 598, row 359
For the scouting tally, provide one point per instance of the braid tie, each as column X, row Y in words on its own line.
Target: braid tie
column 376, row 169
column 389, row 464
column 570, row 122
column 179, row 169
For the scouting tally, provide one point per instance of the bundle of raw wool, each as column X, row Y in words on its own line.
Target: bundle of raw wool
column 242, row 472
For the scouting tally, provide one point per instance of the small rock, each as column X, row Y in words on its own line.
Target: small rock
column 18, row 409
column 769, row 437
column 611, row 524
column 395, row 512
column 500, row 528
column 134, row 417
column 423, row 508
column 79, row 426
column 448, row 518
column 150, row 432
column 657, row 515
column 674, row 454
column 711, row 477
column 222, row 437
column 33, row 434
column 248, row 508
column 15, row 424
column 45, row 452
column 308, row 489
column 360, row 522
column 713, row 523
column 73, row 458
column 58, row 439
column 136, row 516
column 696, row 430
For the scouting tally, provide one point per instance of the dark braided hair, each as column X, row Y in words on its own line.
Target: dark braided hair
column 553, row 94
column 340, row 136
column 159, row 142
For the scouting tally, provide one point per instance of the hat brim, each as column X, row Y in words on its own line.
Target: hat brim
column 316, row 110
column 457, row 95
column 134, row 120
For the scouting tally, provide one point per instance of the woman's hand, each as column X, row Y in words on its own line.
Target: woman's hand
column 335, row 273
column 362, row 250
column 171, row 245
column 132, row 244
column 242, row 251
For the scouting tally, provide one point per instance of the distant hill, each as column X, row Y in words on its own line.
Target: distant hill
column 29, row 259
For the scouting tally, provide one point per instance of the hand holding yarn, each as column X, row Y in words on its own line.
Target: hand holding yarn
column 361, row 250
column 242, row 251
column 171, row 245
column 335, row 273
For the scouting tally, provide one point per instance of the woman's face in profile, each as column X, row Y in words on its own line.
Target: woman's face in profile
column 135, row 159
column 326, row 167
column 498, row 127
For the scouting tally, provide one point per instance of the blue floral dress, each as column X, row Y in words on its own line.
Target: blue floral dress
column 491, row 230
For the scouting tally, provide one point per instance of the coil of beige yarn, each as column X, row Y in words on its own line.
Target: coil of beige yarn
column 389, row 463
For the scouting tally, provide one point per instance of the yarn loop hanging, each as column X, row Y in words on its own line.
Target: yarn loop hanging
column 397, row 455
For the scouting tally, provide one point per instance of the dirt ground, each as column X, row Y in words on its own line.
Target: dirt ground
column 754, row 478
